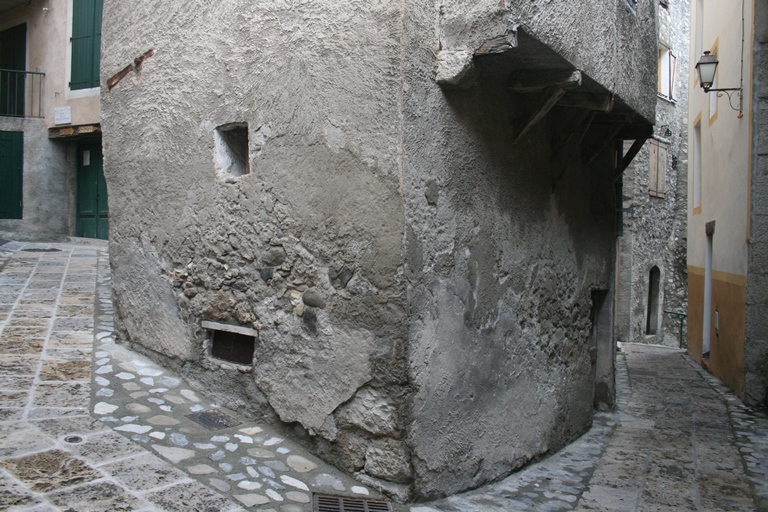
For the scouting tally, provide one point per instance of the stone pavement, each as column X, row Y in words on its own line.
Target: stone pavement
column 87, row 425
column 679, row 440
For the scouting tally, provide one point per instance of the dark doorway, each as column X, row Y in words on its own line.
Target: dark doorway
column 92, row 212
column 13, row 62
column 601, row 348
column 652, row 319
column 11, row 174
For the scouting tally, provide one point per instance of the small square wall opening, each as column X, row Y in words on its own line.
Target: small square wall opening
column 233, row 347
column 231, row 148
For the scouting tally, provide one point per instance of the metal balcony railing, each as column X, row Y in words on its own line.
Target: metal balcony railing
column 21, row 93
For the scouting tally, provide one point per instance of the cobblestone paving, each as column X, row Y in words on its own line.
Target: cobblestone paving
column 87, row 425
column 679, row 440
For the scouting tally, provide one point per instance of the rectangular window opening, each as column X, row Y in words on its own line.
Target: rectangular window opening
column 233, row 347
column 667, row 67
column 231, row 150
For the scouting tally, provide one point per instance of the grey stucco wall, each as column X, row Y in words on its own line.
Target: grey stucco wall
column 421, row 289
column 756, row 336
column 48, row 182
column 500, row 274
column 655, row 227
column 318, row 86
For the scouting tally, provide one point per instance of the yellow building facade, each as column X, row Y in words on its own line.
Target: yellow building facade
column 724, row 151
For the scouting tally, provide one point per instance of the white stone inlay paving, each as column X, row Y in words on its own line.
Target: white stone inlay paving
column 104, row 408
column 288, row 480
column 136, row 429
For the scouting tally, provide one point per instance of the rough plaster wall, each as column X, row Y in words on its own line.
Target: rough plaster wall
column 500, row 272
column 353, row 150
column 756, row 342
column 306, row 249
column 655, row 227
column 604, row 38
column 47, row 198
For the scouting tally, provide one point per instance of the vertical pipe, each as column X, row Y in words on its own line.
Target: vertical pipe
column 707, row 327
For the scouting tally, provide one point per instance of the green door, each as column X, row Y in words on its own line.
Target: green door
column 11, row 174
column 92, row 213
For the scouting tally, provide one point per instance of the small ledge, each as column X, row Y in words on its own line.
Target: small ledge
column 215, row 326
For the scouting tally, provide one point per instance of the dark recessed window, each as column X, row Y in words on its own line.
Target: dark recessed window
column 231, row 146
column 233, row 347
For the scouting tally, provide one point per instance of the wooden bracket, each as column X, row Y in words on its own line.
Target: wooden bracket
column 550, row 87
column 629, row 156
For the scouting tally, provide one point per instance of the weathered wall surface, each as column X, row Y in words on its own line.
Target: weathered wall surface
column 502, row 257
column 655, row 225
column 756, row 341
column 607, row 40
column 48, row 180
column 306, row 248
column 421, row 288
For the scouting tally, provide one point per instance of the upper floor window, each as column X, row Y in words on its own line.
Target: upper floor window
column 667, row 68
column 86, row 43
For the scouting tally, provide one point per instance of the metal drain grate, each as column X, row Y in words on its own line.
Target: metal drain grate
column 213, row 420
column 331, row 503
column 41, row 249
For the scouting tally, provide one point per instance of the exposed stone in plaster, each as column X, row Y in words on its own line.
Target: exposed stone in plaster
column 307, row 382
column 454, row 68
column 417, row 284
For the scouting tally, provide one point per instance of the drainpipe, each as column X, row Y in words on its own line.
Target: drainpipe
column 707, row 327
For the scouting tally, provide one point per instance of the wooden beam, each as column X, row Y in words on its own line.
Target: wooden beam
column 588, row 101
column 550, row 101
column 629, row 156
column 563, row 158
column 607, row 137
column 539, row 81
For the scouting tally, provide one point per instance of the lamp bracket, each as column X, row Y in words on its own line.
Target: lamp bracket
column 728, row 91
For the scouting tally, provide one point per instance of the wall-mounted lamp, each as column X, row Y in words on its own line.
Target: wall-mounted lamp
column 706, row 68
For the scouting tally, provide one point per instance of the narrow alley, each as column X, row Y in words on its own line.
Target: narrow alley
column 88, row 425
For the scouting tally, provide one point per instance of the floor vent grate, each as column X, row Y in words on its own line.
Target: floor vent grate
column 213, row 420
column 330, row 503
column 41, row 249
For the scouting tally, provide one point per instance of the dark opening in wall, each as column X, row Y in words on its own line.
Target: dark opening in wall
column 231, row 146
column 652, row 318
column 233, row 347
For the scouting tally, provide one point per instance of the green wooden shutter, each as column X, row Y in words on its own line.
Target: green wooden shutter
column 86, row 43
column 11, row 174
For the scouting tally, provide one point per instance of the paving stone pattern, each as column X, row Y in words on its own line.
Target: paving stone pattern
column 63, row 378
column 87, row 425
column 679, row 440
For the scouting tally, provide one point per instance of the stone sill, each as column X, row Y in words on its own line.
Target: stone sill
column 215, row 326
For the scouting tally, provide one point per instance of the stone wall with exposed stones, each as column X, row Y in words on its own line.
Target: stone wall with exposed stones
column 419, row 289
column 654, row 233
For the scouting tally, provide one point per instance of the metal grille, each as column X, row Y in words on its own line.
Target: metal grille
column 330, row 503
column 40, row 249
column 213, row 420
